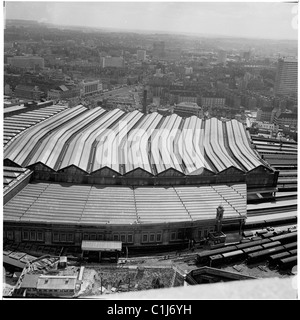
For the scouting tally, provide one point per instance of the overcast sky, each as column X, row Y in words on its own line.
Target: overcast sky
column 274, row 20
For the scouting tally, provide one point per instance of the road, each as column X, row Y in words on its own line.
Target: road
column 124, row 90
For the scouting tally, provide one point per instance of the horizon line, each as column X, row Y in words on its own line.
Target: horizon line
column 154, row 31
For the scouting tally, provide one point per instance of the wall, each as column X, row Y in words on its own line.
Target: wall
column 171, row 234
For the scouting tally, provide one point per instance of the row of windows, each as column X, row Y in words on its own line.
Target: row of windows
column 91, row 88
column 151, row 237
column 177, row 235
column 62, row 237
column 147, row 237
column 27, row 235
column 56, row 290
column 125, row 238
column 32, row 236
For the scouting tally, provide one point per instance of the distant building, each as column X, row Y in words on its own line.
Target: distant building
column 188, row 70
column 287, row 119
column 184, row 98
column 113, row 62
column 28, row 92
column 63, row 93
column 141, row 55
column 267, row 126
column 26, row 62
column 187, row 109
column 222, row 57
column 210, row 102
column 90, row 87
column 286, row 82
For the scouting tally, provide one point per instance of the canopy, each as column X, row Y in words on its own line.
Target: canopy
column 101, row 245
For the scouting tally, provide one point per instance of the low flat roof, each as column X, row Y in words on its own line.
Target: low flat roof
column 56, row 282
column 87, row 245
column 30, row 281
column 13, row 262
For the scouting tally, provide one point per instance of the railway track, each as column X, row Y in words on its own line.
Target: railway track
column 279, row 205
column 272, row 210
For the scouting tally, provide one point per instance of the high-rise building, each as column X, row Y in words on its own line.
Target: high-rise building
column 141, row 55
column 286, row 82
column 222, row 57
column 158, row 49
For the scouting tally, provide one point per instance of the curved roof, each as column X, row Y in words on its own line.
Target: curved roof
column 94, row 139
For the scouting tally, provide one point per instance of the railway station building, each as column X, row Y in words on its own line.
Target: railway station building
column 143, row 180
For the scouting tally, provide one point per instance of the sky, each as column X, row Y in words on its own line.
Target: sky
column 270, row 20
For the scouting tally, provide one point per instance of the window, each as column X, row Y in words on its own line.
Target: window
column 55, row 237
column 205, row 233
column 116, row 237
column 32, row 236
column 180, row 235
column 93, row 236
column 25, row 235
column 10, row 235
column 40, row 236
column 199, row 234
column 173, row 236
column 85, row 236
column 158, row 237
column 123, row 238
column 70, row 237
column 99, row 236
column 129, row 238
column 63, row 237
column 145, row 237
column 152, row 237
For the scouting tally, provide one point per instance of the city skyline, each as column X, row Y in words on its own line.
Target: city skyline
column 268, row 20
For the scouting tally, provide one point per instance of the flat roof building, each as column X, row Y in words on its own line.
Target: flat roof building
column 56, row 285
column 28, row 92
column 26, row 62
column 187, row 109
column 112, row 62
column 89, row 87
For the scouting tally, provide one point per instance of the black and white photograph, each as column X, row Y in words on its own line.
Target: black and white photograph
column 149, row 153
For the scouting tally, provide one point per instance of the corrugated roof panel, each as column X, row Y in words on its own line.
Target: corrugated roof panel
column 23, row 144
